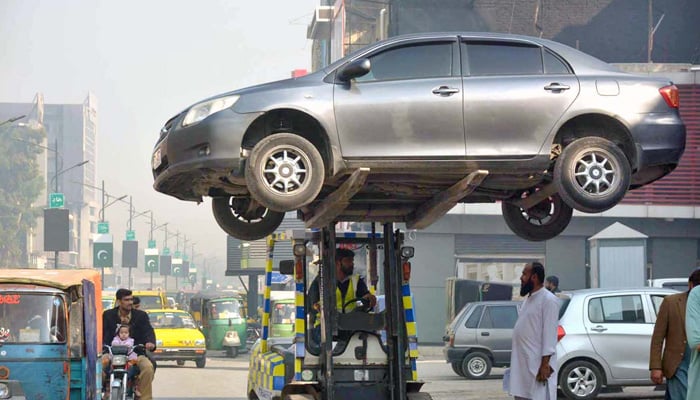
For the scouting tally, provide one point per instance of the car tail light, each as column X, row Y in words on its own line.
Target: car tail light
column 560, row 333
column 451, row 341
column 670, row 95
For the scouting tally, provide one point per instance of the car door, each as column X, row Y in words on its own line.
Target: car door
column 408, row 105
column 514, row 94
column 620, row 334
column 496, row 330
column 465, row 330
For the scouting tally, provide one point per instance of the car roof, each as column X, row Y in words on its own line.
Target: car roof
column 593, row 291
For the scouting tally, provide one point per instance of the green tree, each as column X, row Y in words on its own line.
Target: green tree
column 21, row 183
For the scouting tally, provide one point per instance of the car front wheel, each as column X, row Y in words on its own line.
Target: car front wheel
column 244, row 219
column 284, row 172
column 580, row 380
column 543, row 221
column 201, row 362
column 476, row 365
column 592, row 174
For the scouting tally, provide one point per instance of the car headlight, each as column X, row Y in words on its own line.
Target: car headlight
column 159, row 342
column 4, row 391
column 199, row 342
column 206, row 108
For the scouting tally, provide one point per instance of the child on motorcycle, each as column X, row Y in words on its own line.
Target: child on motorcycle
column 123, row 338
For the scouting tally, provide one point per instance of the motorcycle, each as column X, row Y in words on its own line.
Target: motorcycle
column 253, row 333
column 118, row 378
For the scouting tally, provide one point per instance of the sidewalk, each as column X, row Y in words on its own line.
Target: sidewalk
column 430, row 351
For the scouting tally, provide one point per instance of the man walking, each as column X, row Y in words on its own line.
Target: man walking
column 141, row 331
column 533, row 358
column 669, row 335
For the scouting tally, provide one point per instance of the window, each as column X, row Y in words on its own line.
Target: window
column 411, row 62
column 474, row 318
column 616, row 309
column 657, row 300
column 492, row 58
column 499, row 317
column 553, row 65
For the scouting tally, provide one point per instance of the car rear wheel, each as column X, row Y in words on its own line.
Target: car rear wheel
column 580, row 380
column 543, row 221
column 592, row 174
column 284, row 172
column 476, row 365
column 201, row 362
column 232, row 351
column 244, row 219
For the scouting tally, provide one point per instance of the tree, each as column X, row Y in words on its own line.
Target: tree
column 21, row 182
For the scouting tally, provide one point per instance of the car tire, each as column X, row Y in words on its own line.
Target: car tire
column 476, row 365
column 201, row 362
column 284, row 172
column 580, row 380
column 180, row 362
column 234, row 217
column 592, row 174
column 232, row 352
column 457, row 368
column 544, row 221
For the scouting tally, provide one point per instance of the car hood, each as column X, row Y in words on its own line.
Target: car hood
column 178, row 337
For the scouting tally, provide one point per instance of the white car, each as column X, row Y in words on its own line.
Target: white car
column 679, row 284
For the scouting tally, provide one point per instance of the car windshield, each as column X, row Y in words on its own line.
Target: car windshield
column 225, row 309
column 150, row 302
column 32, row 318
column 166, row 320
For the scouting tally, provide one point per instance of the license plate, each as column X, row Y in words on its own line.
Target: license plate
column 157, row 160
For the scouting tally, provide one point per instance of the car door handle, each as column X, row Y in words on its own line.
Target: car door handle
column 556, row 87
column 445, row 91
column 485, row 334
column 599, row 329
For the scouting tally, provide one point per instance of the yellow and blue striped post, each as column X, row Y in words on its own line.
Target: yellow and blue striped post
column 410, row 328
column 266, row 293
column 300, row 323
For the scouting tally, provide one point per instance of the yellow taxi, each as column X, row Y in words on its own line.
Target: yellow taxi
column 177, row 337
column 151, row 299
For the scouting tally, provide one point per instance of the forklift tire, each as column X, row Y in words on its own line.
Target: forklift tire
column 418, row 396
column 233, row 216
column 544, row 221
column 476, row 365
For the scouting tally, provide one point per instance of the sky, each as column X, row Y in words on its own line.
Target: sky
column 145, row 61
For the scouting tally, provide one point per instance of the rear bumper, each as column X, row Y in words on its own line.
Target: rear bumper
column 660, row 140
column 453, row 354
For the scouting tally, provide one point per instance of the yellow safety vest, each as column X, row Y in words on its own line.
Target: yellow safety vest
column 349, row 295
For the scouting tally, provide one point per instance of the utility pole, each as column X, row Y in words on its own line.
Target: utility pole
column 150, row 238
column 131, row 216
column 55, row 176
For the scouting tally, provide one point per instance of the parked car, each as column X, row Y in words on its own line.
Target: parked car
column 535, row 124
column 177, row 337
column 604, row 339
column 480, row 337
column 678, row 284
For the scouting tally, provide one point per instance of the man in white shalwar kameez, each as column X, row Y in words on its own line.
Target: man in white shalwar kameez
column 533, row 359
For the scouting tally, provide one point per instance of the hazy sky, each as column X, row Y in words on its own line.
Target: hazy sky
column 146, row 60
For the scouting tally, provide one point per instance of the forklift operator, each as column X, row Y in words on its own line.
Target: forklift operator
column 350, row 286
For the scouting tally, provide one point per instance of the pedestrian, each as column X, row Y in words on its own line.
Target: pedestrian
column 669, row 335
column 137, row 302
column 141, row 330
column 532, row 374
column 552, row 284
column 692, row 331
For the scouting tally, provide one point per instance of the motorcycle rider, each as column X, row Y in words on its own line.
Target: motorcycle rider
column 141, row 331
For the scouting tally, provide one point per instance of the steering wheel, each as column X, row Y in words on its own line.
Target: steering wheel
column 365, row 307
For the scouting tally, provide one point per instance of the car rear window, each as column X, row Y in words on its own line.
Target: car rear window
column 564, row 305
column 499, row 317
column 473, row 320
column 493, row 58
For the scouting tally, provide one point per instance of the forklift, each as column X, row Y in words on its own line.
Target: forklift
column 352, row 359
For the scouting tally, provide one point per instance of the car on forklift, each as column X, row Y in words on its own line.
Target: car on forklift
column 350, row 361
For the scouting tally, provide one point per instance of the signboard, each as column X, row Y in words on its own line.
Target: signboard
column 103, row 227
column 165, row 265
column 176, row 266
column 130, row 235
column 56, row 200
column 166, row 251
column 151, row 244
column 151, row 261
column 56, row 227
column 102, row 255
column 130, row 253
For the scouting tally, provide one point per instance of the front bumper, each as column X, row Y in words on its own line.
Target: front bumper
column 179, row 353
column 189, row 161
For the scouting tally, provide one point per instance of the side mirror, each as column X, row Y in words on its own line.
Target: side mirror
column 287, row 267
column 407, row 251
column 353, row 69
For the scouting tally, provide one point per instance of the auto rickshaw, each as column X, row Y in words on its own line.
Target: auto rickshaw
column 50, row 333
column 222, row 320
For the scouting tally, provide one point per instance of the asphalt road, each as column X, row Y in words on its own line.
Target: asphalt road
column 225, row 378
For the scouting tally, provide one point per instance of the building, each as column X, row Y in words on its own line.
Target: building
column 473, row 241
column 71, row 139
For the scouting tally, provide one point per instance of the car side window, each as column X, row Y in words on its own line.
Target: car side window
column 499, row 317
column 473, row 320
column 424, row 60
column 496, row 58
column 554, row 65
column 656, row 300
column 616, row 309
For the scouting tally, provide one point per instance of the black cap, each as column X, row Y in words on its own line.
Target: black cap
column 553, row 280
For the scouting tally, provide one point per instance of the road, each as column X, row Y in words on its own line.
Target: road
column 225, row 378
